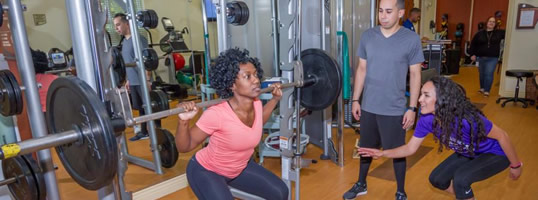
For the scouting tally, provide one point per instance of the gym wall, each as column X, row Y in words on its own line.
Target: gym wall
column 458, row 11
column 520, row 49
column 55, row 33
column 484, row 8
column 428, row 11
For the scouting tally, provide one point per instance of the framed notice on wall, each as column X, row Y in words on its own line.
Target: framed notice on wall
column 527, row 16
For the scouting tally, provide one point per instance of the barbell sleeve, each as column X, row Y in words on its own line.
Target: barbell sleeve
column 21, row 87
column 36, row 144
column 130, row 64
column 11, row 180
column 175, row 111
column 58, row 71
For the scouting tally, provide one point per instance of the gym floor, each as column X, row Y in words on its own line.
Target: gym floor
column 325, row 180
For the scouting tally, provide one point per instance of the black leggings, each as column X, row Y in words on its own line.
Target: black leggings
column 464, row 171
column 382, row 131
column 254, row 179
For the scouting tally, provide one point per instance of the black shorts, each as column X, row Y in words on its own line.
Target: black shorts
column 381, row 131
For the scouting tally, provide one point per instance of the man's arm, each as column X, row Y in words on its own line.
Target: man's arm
column 414, row 83
column 360, row 76
column 414, row 87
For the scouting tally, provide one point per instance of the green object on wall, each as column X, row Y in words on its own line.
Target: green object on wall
column 346, row 89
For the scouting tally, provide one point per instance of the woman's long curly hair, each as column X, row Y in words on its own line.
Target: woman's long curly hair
column 223, row 71
column 451, row 108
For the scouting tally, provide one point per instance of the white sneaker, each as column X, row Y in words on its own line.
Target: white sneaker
column 137, row 128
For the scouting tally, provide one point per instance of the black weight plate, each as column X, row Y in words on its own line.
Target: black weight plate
column 167, row 148
column 25, row 187
column 92, row 161
column 141, row 18
column 154, row 19
column 244, row 13
column 324, row 92
column 38, row 175
column 151, row 59
column 159, row 100
column 8, row 100
column 164, row 100
column 118, row 66
column 18, row 92
column 232, row 13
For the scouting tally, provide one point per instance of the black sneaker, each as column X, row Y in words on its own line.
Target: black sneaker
column 357, row 190
column 401, row 196
column 139, row 136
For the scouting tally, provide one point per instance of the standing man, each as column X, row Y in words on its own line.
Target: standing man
column 133, row 81
column 387, row 52
column 414, row 17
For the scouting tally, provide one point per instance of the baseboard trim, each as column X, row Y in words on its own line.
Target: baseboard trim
column 162, row 189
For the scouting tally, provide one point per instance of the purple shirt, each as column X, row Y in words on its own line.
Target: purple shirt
column 489, row 145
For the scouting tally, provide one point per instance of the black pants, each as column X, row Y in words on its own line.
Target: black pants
column 382, row 131
column 464, row 171
column 254, row 179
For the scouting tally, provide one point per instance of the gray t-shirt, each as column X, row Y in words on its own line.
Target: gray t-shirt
column 127, row 51
column 388, row 61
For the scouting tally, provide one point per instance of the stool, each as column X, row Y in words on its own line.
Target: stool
column 519, row 74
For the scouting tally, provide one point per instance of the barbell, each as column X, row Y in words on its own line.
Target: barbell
column 84, row 134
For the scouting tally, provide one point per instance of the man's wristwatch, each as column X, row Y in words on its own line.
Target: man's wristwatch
column 411, row 108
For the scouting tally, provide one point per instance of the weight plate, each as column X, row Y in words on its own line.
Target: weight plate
column 72, row 104
column 8, row 99
column 140, row 18
column 167, row 148
column 320, row 66
column 18, row 92
column 38, row 175
column 159, row 100
column 231, row 13
column 244, row 13
column 25, row 186
column 118, row 66
column 151, row 59
column 154, row 19
column 164, row 98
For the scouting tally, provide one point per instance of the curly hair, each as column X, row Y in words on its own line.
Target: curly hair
column 451, row 108
column 41, row 61
column 223, row 71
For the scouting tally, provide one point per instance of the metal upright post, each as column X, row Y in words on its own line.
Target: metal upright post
column 222, row 26
column 83, row 20
column 26, row 68
column 206, row 42
column 145, row 93
column 373, row 12
column 275, row 23
column 340, row 116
